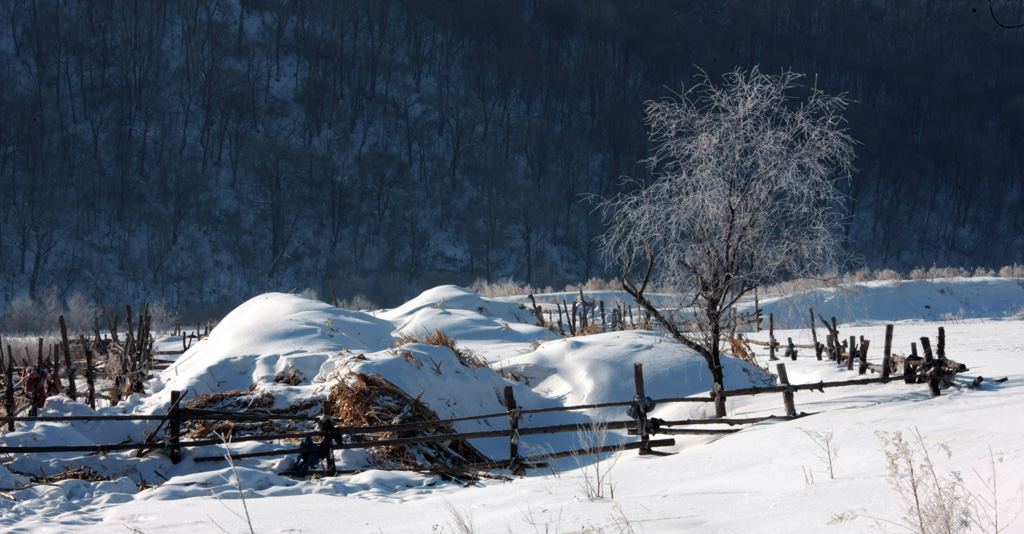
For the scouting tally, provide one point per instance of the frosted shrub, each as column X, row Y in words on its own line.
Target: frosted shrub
column 358, row 302
column 1014, row 271
column 932, row 503
column 23, row 316
column 80, row 313
column 500, row 288
column 595, row 469
column 162, row 315
column 918, row 273
column 887, row 274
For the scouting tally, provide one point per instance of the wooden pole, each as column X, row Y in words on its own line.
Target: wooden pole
column 887, row 351
column 129, row 343
column 771, row 337
column 9, row 387
column 940, row 349
column 909, row 375
column 787, row 395
column 852, row 353
column 863, row 353
column 71, row 392
column 326, row 445
column 640, row 407
column 926, row 346
column 835, row 338
column 814, row 336
column 174, row 428
column 515, row 465
column 90, row 373
column 932, row 373
column 757, row 312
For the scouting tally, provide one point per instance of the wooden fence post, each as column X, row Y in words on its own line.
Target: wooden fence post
column 174, row 428
column 326, row 444
column 787, row 396
column 814, row 337
column 641, row 404
column 940, row 349
column 515, row 464
column 70, row 369
column 835, row 338
column 771, row 337
column 909, row 376
column 790, row 349
column 932, row 366
column 863, row 352
column 852, row 353
column 90, row 373
column 887, row 351
column 9, row 386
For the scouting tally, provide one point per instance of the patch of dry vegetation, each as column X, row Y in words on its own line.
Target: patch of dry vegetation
column 361, row 400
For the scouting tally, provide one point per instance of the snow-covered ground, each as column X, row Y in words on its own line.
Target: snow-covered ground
column 769, row 477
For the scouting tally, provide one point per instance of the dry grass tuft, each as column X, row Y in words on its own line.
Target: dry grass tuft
column 290, row 376
column 439, row 338
column 360, row 400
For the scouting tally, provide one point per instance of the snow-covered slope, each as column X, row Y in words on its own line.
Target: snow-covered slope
column 767, row 478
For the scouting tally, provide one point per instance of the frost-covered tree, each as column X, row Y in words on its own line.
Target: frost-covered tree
column 744, row 192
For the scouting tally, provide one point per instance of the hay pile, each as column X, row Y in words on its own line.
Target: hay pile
column 250, row 401
column 369, row 400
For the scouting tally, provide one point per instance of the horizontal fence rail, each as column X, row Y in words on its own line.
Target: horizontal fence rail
column 916, row 369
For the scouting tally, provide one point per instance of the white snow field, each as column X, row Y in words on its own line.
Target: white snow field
column 769, row 477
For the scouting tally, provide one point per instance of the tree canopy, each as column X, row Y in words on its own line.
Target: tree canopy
column 744, row 191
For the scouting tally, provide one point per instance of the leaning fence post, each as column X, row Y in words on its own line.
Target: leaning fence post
column 887, row 351
column 515, row 463
column 787, row 395
column 174, row 428
column 326, row 445
column 835, row 338
column 641, row 405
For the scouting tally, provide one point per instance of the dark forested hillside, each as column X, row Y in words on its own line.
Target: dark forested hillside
column 201, row 151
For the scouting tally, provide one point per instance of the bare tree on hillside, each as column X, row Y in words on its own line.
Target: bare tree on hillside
column 744, row 193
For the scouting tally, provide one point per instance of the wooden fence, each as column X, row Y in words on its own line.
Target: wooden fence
column 332, row 437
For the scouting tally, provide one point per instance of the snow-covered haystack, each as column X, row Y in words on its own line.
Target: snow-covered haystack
column 599, row 368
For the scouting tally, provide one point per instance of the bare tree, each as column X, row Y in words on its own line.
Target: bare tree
column 744, row 192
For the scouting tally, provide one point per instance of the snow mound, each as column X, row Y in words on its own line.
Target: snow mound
column 458, row 298
column 599, row 368
column 268, row 334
